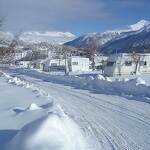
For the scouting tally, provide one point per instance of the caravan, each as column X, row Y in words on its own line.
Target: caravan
column 70, row 64
column 127, row 64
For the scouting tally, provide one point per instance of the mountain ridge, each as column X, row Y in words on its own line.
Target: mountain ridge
column 102, row 39
column 52, row 37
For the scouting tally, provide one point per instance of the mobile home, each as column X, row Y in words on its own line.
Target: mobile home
column 127, row 64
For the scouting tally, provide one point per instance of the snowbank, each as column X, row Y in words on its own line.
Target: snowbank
column 52, row 132
column 135, row 87
column 20, row 82
column 50, row 129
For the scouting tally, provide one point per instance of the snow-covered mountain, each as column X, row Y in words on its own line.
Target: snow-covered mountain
column 139, row 42
column 37, row 45
column 37, row 37
column 110, row 36
column 50, row 37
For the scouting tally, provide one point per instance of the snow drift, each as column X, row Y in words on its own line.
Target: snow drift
column 50, row 133
column 135, row 87
column 54, row 130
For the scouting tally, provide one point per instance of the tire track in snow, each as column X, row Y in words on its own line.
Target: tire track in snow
column 121, row 140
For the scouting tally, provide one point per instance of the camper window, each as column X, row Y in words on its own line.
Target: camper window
column 53, row 64
column 74, row 63
column 143, row 63
column 128, row 63
column 110, row 63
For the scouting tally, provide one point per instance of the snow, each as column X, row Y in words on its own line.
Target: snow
column 88, row 113
column 139, row 25
column 33, row 106
column 104, row 37
column 50, row 37
column 47, row 133
column 135, row 86
column 109, row 118
column 135, row 27
column 6, row 36
column 140, row 81
column 51, row 132
column 31, row 119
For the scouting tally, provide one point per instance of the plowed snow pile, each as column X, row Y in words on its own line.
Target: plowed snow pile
column 49, row 133
column 30, row 119
column 136, row 86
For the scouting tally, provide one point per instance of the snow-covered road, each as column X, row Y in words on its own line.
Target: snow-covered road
column 108, row 122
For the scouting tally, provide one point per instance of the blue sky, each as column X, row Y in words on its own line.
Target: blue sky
column 76, row 16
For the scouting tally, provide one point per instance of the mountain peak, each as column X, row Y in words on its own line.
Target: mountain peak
column 139, row 25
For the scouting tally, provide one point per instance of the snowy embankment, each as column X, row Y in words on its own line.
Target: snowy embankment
column 30, row 119
column 136, row 87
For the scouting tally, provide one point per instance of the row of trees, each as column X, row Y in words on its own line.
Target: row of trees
column 7, row 52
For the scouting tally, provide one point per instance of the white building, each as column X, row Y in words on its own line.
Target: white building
column 126, row 64
column 70, row 64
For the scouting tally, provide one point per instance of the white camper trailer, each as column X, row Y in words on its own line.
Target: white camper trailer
column 38, row 64
column 54, row 65
column 70, row 64
column 126, row 64
column 23, row 64
column 78, row 64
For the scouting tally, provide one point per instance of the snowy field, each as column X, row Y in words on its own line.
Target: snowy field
column 82, row 111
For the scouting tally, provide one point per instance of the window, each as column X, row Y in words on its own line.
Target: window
column 128, row 63
column 99, row 67
column 74, row 63
column 53, row 64
column 110, row 63
column 143, row 63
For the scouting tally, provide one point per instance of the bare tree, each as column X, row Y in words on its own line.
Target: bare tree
column 91, row 51
column 66, row 53
column 136, row 58
column 7, row 52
